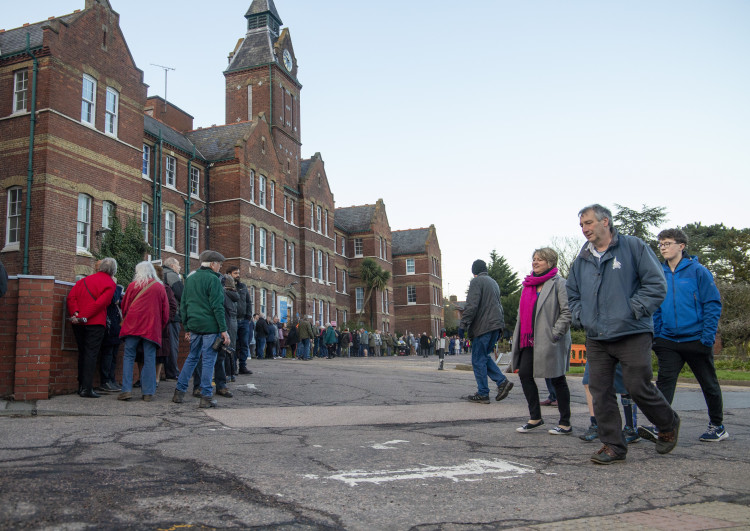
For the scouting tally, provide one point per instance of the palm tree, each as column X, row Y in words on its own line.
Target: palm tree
column 375, row 278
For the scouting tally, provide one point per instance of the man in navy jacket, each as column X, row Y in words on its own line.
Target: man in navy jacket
column 614, row 287
column 685, row 329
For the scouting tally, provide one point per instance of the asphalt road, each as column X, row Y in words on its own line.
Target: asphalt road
column 361, row 443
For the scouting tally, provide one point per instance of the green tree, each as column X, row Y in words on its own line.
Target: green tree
column 510, row 285
column 375, row 278
column 734, row 324
column 450, row 323
column 639, row 223
column 724, row 251
column 567, row 249
column 126, row 246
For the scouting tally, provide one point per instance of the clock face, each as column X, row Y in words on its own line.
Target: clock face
column 288, row 60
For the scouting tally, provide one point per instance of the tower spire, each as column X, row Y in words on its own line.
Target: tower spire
column 263, row 14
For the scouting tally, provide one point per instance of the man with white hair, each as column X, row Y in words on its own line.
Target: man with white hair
column 202, row 311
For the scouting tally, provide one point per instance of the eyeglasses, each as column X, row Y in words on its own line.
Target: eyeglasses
column 665, row 245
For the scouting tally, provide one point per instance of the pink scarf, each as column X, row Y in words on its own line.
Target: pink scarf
column 526, row 307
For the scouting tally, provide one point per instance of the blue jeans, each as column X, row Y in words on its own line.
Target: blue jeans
column 243, row 341
column 200, row 347
column 482, row 362
column 260, row 348
column 148, row 374
column 303, row 350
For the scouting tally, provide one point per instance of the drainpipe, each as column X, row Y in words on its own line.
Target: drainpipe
column 188, row 206
column 270, row 82
column 30, row 170
column 156, row 228
column 208, row 205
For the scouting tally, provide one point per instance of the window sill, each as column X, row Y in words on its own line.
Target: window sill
column 84, row 252
column 411, row 303
column 146, row 177
column 196, row 256
column 169, row 249
column 11, row 247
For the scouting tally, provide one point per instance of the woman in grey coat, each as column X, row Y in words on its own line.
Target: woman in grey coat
column 541, row 340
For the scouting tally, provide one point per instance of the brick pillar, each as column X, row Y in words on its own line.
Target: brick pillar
column 34, row 326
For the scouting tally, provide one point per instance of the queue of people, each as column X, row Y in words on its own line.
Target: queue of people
column 616, row 290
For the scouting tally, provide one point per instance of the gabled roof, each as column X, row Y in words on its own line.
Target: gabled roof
column 413, row 241
column 218, row 143
column 354, row 219
column 14, row 41
column 263, row 6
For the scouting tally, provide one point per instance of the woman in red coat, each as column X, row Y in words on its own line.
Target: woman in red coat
column 145, row 311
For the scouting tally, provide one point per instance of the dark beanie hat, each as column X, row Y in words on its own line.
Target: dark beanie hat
column 478, row 267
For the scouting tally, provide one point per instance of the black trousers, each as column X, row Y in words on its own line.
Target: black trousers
column 531, row 391
column 89, row 339
column 700, row 358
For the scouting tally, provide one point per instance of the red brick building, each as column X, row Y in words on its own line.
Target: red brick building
column 80, row 141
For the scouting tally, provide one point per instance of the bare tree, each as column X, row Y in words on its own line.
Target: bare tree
column 567, row 249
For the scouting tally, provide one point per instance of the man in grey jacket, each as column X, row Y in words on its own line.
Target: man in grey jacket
column 483, row 319
column 172, row 278
column 614, row 287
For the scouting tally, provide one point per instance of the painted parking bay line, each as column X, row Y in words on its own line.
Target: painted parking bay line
column 473, row 470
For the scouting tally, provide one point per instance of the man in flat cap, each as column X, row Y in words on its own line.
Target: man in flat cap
column 202, row 311
column 483, row 320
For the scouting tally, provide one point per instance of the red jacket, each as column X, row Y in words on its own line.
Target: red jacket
column 92, row 306
column 147, row 316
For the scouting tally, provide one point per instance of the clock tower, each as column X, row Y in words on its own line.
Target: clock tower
column 262, row 78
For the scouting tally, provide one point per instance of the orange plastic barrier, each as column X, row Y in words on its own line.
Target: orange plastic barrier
column 578, row 354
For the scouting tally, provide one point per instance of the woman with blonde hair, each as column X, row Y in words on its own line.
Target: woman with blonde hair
column 541, row 339
column 145, row 311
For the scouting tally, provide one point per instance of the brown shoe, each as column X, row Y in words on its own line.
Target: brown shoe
column 197, row 393
column 125, row 396
column 226, row 393
column 606, row 456
column 179, row 396
column 147, row 398
column 207, row 401
column 668, row 439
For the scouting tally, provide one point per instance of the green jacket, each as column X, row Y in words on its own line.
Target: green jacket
column 305, row 330
column 202, row 304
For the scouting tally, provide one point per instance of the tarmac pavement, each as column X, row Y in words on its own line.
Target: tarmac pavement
column 360, row 443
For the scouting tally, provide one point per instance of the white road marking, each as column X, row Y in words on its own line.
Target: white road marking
column 471, row 471
column 251, row 386
column 388, row 445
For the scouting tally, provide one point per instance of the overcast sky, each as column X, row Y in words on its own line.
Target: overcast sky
column 493, row 120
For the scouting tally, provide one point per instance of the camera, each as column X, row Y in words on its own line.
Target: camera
column 217, row 343
column 228, row 351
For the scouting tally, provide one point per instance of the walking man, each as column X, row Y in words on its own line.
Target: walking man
column 244, row 311
column 614, row 287
column 174, row 281
column 202, row 311
column 685, row 329
column 483, row 318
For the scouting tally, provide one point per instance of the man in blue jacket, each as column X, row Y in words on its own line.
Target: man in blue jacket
column 685, row 329
column 614, row 287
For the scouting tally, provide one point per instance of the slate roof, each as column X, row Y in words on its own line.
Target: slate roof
column 169, row 135
column 217, row 143
column 14, row 40
column 263, row 6
column 354, row 219
column 304, row 167
column 412, row 241
column 256, row 49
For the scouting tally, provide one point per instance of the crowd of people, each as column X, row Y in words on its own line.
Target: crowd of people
column 616, row 290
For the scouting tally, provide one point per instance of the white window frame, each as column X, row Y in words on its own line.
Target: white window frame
column 411, row 293
column 312, row 215
column 272, row 248
column 358, row 247
column 111, row 111
column 108, row 212
column 146, row 165
column 262, row 191
column 291, row 257
column 286, row 255
column 359, row 298
column 13, row 216
column 194, row 238
column 291, row 211
column 319, row 212
column 320, row 265
column 272, row 196
column 252, row 243
column 343, row 281
column 327, row 277
column 410, row 270
column 252, row 186
column 20, row 90
column 144, row 220
column 83, row 222
column 322, row 321
column 343, row 246
column 195, row 182
column 88, row 101
column 263, row 301
column 285, row 199
column 170, row 224
column 170, row 171
column 326, row 223
column 262, row 258
column 251, row 289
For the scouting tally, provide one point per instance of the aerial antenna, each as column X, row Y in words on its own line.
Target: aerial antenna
column 166, row 71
